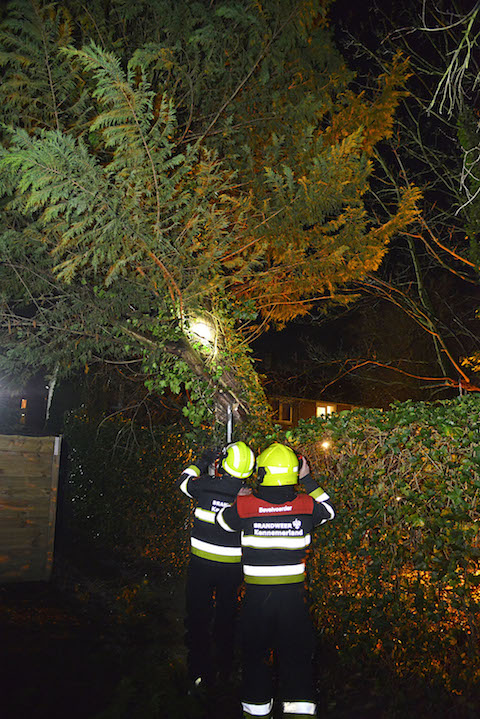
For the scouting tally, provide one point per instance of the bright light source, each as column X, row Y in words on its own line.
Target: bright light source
column 203, row 331
column 326, row 444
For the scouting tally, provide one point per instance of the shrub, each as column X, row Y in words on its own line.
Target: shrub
column 120, row 489
column 397, row 573
column 395, row 579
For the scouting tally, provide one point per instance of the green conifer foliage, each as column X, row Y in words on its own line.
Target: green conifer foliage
column 211, row 165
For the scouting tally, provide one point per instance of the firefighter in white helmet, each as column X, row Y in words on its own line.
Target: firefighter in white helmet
column 214, row 573
column 275, row 522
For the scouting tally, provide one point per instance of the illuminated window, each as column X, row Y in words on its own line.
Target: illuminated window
column 324, row 409
column 23, row 404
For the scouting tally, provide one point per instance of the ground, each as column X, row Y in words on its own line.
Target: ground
column 108, row 644
column 57, row 663
column 100, row 646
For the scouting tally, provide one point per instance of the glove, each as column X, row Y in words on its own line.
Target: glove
column 209, row 456
column 303, row 468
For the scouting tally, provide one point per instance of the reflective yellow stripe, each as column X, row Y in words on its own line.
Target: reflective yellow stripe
column 217, row 549
column 216, row 557
column 192, row 471
column 319, row 495
column 263, row 581
column 276, row 542
column 205, row 515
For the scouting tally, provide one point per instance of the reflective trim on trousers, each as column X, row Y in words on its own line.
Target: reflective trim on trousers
column 264, row 581
column 299, row 710
column 257, row 710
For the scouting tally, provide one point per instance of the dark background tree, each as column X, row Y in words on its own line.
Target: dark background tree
column 428, row 284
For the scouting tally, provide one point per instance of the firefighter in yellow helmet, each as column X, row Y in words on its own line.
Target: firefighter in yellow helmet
column 214, row 573
column 275, row 522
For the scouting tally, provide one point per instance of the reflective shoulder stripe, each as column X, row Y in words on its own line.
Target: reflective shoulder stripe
column 188, row 473
column 249, row 540
column 192, row 471
column 205, row 515
column 298, row 709
column 222, row 522
column 183, row 486
column 257, row 710
column 216, row 548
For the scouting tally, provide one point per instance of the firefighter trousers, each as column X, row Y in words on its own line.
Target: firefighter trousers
column 211, row 611
column 277, row 639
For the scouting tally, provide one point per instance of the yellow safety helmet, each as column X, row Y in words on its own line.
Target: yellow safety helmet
column 238, row 460
column 279, row 464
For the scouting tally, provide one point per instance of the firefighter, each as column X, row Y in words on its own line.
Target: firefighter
column 275, row 522
column 214, row 573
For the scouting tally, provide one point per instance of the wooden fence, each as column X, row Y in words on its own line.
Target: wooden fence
column 28, row 499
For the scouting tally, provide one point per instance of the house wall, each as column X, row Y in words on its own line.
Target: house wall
column 28, row 498
column 299, row 408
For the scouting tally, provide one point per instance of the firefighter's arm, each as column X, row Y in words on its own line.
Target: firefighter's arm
column 185, row 482
column 229, row 519
column 324, row 509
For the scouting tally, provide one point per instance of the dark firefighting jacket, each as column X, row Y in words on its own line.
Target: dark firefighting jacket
column 275, row 525
column 208, row 540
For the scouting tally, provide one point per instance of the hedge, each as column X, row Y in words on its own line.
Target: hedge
column 394, row 578
column 120, row 488
column 397, row 574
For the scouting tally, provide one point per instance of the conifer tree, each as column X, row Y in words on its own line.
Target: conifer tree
column 180, row 162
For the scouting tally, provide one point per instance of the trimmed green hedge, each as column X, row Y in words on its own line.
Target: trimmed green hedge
column 395, row 578
column 397, row 574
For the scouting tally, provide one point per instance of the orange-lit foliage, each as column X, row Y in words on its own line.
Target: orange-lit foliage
column 397, row 574
column 191, row 186
column 375, row 116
